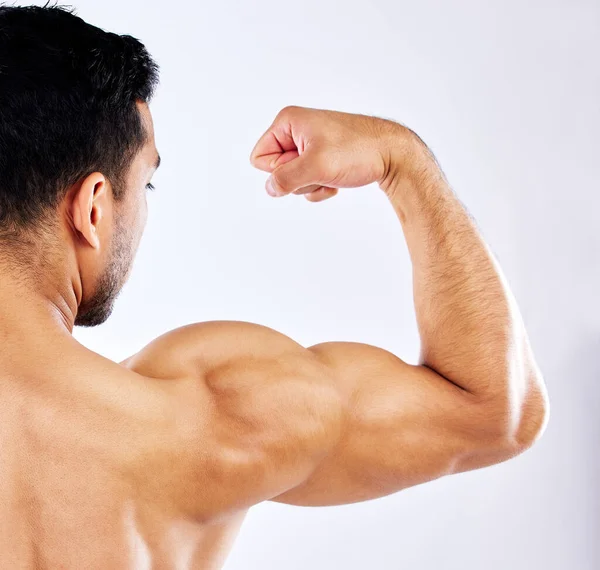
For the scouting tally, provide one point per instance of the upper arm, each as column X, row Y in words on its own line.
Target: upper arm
column 402, row 425
column 335, row 423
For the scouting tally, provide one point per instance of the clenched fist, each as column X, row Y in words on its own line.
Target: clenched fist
column 315, row 151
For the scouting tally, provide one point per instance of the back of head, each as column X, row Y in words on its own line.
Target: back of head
column 68, row 93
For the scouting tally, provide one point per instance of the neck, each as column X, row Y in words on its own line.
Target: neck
column 37, row 299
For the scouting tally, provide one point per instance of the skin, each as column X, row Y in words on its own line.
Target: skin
column 153, row 462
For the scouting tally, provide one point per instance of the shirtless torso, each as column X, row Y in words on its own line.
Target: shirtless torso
column 97, row 469
column 154, row 462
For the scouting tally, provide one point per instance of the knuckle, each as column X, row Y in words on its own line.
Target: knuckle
column 289, row 110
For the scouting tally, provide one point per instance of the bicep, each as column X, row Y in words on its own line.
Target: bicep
column 341, row 422
column 403, row 425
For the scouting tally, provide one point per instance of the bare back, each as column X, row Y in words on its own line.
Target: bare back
column 94, row 466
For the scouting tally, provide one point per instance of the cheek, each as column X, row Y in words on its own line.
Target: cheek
column 142, row 210
column 142, row 218
column 137, row 219
column 145, row 211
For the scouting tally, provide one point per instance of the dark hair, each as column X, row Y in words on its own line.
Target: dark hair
column 68, row 93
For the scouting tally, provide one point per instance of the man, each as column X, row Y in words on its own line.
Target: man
column 154, row 461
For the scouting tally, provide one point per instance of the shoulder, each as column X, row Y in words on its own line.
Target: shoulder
column 200, row 347
column 256, row 408
column 251, row 373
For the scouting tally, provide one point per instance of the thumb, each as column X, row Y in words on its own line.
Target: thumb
column 304, row 170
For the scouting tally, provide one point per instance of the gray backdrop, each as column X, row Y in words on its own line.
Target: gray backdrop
column 506, row 93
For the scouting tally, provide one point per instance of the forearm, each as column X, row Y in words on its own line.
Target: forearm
column 470, row 327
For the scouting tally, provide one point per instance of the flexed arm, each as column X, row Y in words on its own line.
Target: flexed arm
column 340, row 422
column 477, row 396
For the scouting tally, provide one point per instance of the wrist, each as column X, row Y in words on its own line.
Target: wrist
column 408, row 161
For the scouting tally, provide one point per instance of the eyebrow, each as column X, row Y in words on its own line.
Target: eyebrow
column 157, row 163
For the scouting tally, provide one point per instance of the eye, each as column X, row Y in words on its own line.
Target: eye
column 150, row 186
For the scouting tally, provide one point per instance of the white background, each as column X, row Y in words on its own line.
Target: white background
column 507, row 95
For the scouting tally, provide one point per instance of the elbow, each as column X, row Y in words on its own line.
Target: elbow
column 534, row 415
column 523, row 420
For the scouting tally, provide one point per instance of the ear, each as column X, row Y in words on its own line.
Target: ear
column 89, row 206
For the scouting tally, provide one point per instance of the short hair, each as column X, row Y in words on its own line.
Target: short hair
column 68, row 93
